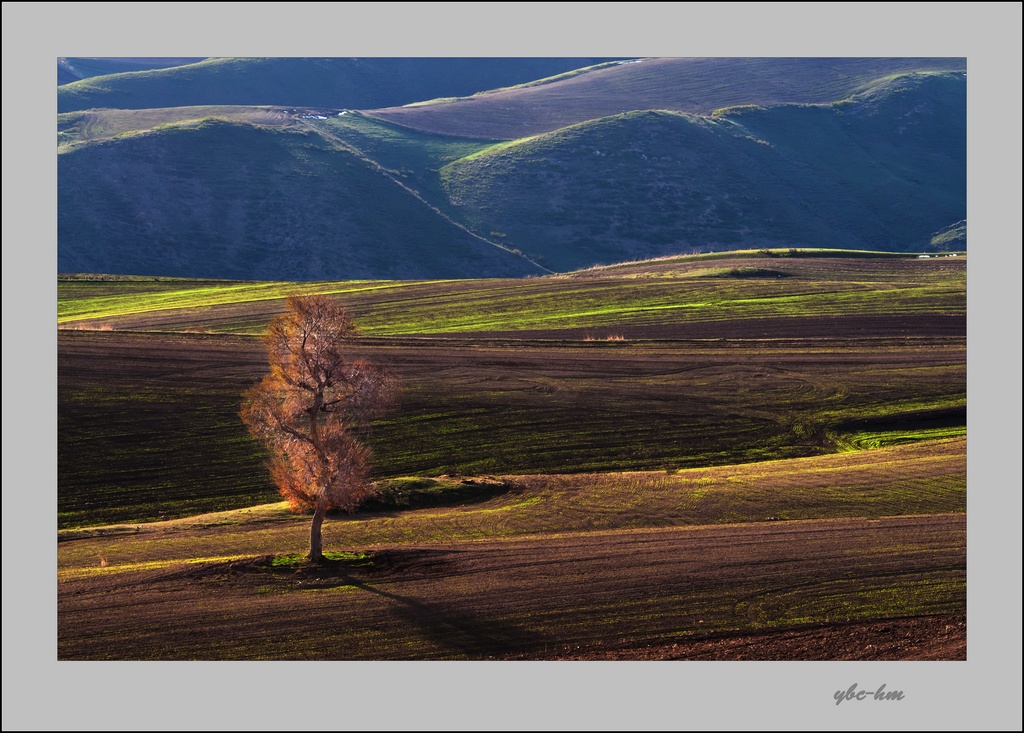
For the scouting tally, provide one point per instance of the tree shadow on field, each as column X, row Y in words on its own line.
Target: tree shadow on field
column 459, row 632
column 454, row 629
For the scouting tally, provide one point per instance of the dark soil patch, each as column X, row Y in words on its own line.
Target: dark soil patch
column 922, row 638
column 746, row 272
column 426, row 492
column 916, row 325
column 915, row 420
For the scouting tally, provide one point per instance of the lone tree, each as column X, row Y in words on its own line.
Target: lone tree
column 306, row 409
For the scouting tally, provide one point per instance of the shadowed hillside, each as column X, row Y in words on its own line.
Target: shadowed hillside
column 217, row 199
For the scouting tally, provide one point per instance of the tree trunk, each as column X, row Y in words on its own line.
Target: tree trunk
column 316, row 540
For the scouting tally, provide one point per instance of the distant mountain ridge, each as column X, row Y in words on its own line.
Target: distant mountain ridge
column 72, row 69
column 694, row 85
column 304, row 82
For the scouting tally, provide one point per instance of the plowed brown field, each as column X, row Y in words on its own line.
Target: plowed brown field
column 528, row 597
column 686, row 467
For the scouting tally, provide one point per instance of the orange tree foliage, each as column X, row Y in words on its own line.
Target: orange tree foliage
column 305, row 410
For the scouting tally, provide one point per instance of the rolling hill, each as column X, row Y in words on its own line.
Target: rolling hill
column 269, row 191
column 695, row 85
column 767, row 356
column 325, row 82
column 883, row 170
